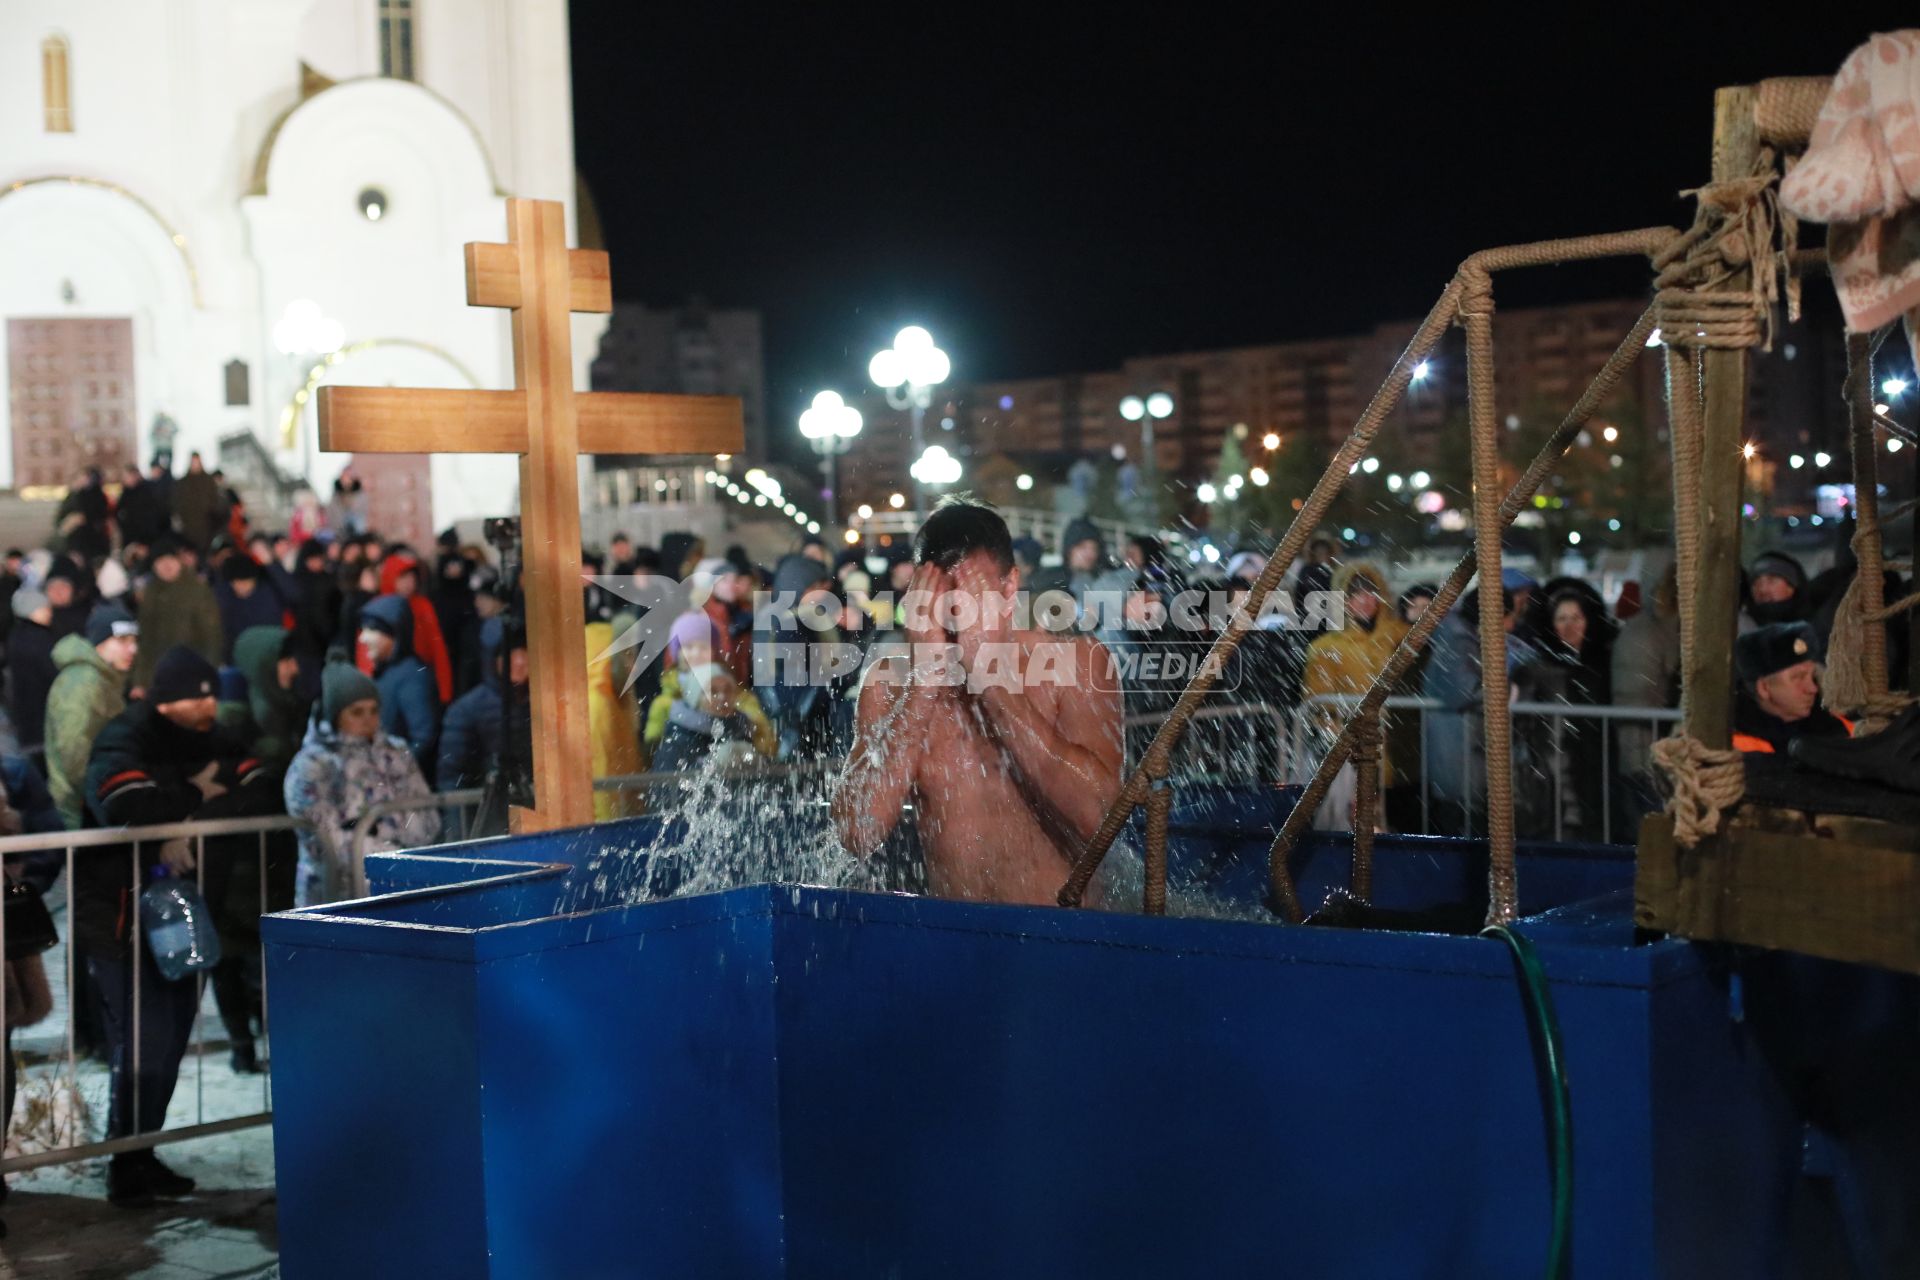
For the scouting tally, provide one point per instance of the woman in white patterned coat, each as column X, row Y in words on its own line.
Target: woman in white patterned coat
column 345, row 767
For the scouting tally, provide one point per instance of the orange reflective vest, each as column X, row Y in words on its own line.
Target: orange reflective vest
column 1747, row 742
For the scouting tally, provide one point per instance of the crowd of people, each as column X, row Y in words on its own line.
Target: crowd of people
column 166, row 662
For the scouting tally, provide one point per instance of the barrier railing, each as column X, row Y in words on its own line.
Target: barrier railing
column 1233, row 711
column 1309, row 719
column 62, row 1051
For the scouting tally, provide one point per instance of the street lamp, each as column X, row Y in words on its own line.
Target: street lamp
column 935, row 467
column 1156, row 407
column 830, row 426
column 908, row 371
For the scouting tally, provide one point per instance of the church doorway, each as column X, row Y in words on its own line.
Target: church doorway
column 71, row 388
column 399, row 496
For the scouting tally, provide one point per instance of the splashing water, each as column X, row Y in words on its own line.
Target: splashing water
column 718, row 829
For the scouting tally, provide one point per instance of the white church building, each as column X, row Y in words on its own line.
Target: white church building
column 210, row 207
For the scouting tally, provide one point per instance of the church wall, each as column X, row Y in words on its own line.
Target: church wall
column 172, row 103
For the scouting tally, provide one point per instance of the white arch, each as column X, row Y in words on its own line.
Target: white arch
column 106, row 251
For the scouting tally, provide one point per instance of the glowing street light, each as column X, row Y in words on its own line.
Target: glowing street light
column 1146, row 412
column 1370, row 466
column 1822, row 459
column 1610, row 434
column 866, row 512
column 1207, row 494
column 897, row 500
column 830, row 424
column 1258, row 475
column 1894, row 386
column 1894, row 444
column 908, row 371
column 1395, row 483
column 1271, row 440
column 853, row 537
column 1023, row 482
column 936, row 467
column 1796, row 462
column 1749, row 450
column 1419, row 479
column 1421, row 370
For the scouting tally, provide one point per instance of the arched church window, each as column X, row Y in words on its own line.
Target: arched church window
column 56, row 84
column 396, row 38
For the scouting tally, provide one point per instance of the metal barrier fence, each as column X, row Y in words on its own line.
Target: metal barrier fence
column 1309, row 736
column 61, row 1051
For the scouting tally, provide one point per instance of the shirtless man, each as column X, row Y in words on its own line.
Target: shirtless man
column 1007, row 740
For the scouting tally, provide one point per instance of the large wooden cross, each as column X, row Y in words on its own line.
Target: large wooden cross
column 548, row 424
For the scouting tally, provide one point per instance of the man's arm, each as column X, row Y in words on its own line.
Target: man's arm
column 1070, row 765
column 890, row 733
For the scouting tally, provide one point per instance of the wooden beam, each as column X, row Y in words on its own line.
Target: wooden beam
column 632, row 422
column 1716, row 602
column 411, row 420
column 550, row 517
column 416, row 420
column 493, row 278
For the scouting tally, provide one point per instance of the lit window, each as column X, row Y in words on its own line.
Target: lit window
column 56, row 87
column 396, row 39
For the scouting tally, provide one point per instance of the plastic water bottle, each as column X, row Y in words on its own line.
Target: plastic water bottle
column 180, row 933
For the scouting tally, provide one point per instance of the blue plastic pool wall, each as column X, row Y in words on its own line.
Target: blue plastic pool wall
column 934, row 1088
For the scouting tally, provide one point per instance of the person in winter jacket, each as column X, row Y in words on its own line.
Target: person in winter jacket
column 704, row 720
column 729, row 605
column 162, row 760
column 197, row 504
column 692, row 644
column 90, row 690
column 400, row 576
column 346, row 766
column 409, row 701
column 1645, row 673
column 247, row 599
column 1083, row 556
column 70, row 590
column 347, row 511
column 610, row 716
column 1776, row 591
column 1455, row 751
column 272, row 718
column 142, row 515
column 1346, row 661
column 30, row 666
column 82, row 520
column 812, row 714
column 317, row 615
column 470, row 734
column 177, row 608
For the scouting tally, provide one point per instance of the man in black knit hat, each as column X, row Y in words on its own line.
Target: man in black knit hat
column 162, row 760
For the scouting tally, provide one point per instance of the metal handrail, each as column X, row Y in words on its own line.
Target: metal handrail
column 117, row 839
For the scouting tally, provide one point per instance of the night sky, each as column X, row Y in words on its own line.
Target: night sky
column 1054, row 187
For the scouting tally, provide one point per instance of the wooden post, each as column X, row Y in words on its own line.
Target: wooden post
column 550, row 425
column 1716, row 603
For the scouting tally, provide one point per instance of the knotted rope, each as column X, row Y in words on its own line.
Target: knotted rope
column 1706, row 783
column 1738, row 226
column 1366, row 801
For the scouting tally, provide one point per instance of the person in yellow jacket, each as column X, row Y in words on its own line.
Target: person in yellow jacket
column 690, row 645
column 1346, row 661
column 616, row 739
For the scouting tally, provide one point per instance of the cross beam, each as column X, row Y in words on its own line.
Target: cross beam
column 548, row 424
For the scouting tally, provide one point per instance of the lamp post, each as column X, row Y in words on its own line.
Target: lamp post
column 1154, row 408
column 830, row 426
column 908, row 371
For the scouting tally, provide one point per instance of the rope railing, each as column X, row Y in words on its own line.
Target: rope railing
column 1313, row 509
column 1284, row 898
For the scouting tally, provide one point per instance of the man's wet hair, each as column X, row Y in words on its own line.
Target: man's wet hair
column 958, row 527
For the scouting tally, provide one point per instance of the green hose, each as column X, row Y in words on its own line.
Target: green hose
column 1560, row 1123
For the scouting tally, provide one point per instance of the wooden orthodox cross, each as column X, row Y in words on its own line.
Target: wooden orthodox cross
column 543, row 420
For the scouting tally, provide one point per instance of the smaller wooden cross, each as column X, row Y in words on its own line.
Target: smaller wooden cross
column 548, row 424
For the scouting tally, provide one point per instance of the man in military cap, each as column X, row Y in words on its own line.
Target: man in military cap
column 1779, row 697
